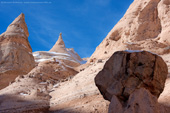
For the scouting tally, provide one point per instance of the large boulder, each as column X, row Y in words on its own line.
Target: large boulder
column 126, row 71
column 132, row 81
column 15, row 52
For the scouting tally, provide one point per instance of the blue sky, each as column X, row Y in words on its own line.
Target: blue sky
column 83, row 23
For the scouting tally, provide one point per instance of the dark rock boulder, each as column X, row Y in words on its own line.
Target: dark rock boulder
column 126, row 71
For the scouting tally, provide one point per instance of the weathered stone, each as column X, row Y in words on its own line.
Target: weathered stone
column 140, row 101
column 115, row 105
column 126, row 71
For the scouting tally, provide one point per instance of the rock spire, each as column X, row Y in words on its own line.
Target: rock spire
column 59, row 45
column 15, row 52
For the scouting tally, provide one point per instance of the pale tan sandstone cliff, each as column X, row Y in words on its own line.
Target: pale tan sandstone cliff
column 145, row 26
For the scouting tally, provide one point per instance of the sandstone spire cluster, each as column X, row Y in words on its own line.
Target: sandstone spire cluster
column 29, row 83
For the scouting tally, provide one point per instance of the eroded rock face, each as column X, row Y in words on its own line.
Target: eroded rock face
column 15, row 52
column 145, row 26
column 127, row 70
